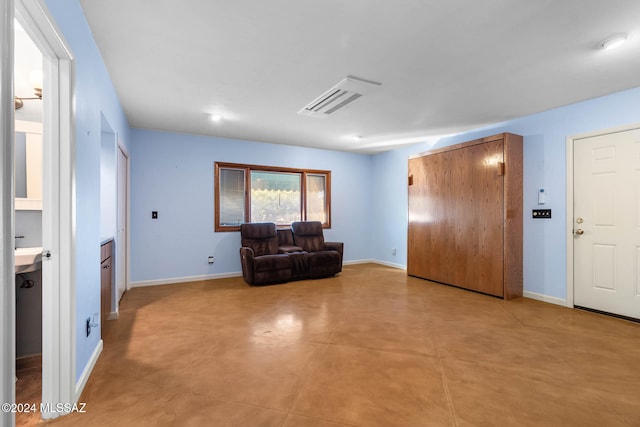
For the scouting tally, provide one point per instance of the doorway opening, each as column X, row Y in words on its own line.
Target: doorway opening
column 57, row 212
column 28, row 217
column 122, row 235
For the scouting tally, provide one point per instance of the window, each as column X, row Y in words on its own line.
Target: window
column 249, row 193
column 232, row 197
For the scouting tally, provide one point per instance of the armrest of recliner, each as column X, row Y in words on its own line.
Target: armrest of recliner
column 334, row 246
column 246, row 259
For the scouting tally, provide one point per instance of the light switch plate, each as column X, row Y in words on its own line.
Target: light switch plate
column 541, row 213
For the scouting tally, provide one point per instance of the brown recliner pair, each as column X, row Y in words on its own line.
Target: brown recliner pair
column 270, row 255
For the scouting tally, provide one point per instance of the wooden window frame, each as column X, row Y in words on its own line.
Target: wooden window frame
column 247, row 191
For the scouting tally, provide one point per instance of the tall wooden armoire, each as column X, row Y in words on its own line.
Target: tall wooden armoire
column 465, row 215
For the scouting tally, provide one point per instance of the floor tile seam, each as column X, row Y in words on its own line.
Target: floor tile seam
column 564, row 360
column 380, row 350
column 284, row 341
column 223, row 399
column 488, row 366
column 449, row 399
column 241, row 403
column 496, row 369
column 511, row 315
column 406, row 352
column 548, row 345
column 400, row 318
column 314, row 417
column 153, row 387
column 312, row 370
column 606, row 404
column 341, row 318
column 489, row 363
column 573, row 330
column 273, row 340
column 131, row 380
column 443, row 378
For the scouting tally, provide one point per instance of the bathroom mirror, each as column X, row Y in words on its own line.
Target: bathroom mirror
column 28, row 165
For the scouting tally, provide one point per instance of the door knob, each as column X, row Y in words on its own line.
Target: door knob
column 579, row 231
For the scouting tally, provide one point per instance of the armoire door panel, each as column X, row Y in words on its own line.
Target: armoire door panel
column 477, row 194
column 457, row 214
column 428, row 219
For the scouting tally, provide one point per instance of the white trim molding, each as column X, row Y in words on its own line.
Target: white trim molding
column 375, row 261
column 82, row 381
column 7, row 231
column 569, row 225
column 184, row 279
column 58, row 216
column 545, row 298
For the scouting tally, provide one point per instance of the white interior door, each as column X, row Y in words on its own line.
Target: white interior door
column 59, row 380
column 121, row 238
column 607, row 223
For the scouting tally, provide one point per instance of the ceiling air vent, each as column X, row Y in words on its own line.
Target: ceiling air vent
column 344, row 93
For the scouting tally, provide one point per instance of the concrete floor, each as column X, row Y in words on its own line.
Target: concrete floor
column 370, row 347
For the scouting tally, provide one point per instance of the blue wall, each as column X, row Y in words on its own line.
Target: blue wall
column 94, row 94
column 544, row 167
column 173, row 174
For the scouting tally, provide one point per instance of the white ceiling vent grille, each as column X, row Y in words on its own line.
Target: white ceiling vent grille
column 344, row 93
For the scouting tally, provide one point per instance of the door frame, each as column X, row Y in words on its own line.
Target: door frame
column 122, row 149
column 58, row 228
column 571, row 141
column 7, row 225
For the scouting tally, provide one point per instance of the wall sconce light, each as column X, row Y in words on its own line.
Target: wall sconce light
column 36, row 83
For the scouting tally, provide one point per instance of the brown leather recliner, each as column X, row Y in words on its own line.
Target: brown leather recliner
column 261, row 262
column 324, row 258
column 272, row 256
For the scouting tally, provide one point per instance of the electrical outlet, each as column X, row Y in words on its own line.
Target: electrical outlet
column 393, row 251
column 88, row 325
column 211, row 260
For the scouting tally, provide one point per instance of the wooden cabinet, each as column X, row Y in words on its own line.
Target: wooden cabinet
column 465, row 215
column 106, row 268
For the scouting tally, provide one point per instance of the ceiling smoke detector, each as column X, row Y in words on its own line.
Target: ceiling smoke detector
column 342, row 94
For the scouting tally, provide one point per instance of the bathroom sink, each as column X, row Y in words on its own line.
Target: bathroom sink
column 28, row 259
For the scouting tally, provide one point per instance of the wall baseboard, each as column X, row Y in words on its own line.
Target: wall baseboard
column 183, row 279
column 358, row 261
column 375, row 261
column 186, row 279
column 391, row 264
column 82, row 381
column 545, row 298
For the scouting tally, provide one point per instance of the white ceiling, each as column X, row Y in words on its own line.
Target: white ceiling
column 445, row 66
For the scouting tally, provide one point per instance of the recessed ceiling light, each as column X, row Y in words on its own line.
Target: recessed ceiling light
column 613, row 42
column 216, row 118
